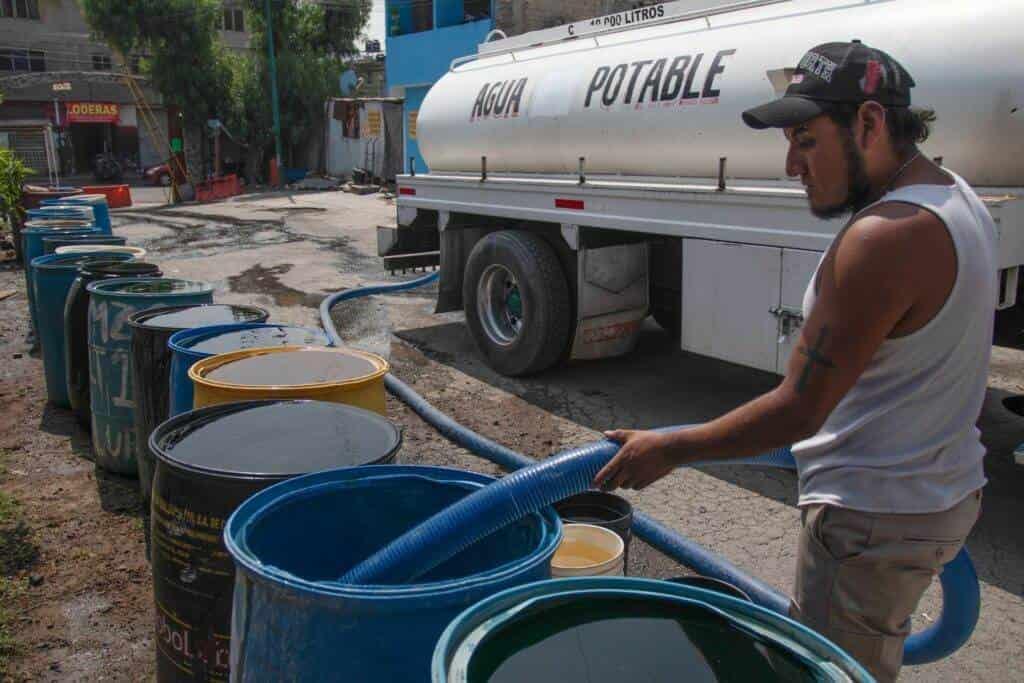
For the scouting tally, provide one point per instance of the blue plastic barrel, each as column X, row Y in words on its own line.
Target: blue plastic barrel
column 189, row 346
column 292, row 621
column 96, row 202
column 50, row 244
column 71, row 213
column 32, row 236
column 53, row 276
column 111, row 303
column 590, row 629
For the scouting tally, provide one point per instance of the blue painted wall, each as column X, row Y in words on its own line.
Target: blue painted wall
column 417, row 60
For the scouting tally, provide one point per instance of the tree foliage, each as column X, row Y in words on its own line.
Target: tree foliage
column 313, row 42
column 184, row 59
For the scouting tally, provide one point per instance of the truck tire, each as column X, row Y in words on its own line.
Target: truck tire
column 516, row 299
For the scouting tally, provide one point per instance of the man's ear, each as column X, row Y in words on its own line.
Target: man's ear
column 871, row 122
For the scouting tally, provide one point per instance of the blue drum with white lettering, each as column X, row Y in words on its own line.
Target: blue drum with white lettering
column 111, row 303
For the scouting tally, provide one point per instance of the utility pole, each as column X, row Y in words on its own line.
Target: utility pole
column 273, row 87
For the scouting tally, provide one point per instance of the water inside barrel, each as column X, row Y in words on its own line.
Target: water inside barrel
column 159, row 286
column 292, row 368
column 616, row 640
column 200, row 316
column 283, row 439
column 259, row 337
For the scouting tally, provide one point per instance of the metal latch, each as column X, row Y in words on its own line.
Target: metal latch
column 790, row 319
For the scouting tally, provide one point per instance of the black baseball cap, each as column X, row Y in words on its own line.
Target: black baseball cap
column 831, row 74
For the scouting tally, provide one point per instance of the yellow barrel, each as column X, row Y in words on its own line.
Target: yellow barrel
column 339, row 375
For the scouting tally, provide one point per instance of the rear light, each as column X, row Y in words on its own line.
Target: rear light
column 576, row 204
column 407, row 191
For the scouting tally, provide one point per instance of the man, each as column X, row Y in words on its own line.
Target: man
column 883, row 392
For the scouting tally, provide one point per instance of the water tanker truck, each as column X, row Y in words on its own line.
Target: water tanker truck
column 586, row 176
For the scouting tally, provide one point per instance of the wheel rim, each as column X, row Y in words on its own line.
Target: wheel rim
column 499, row 305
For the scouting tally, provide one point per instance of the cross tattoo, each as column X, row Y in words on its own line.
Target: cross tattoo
column 814, row 357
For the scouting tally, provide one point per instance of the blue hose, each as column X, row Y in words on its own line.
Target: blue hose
column 536, row 485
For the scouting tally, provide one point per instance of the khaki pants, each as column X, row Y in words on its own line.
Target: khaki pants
column 860, row 575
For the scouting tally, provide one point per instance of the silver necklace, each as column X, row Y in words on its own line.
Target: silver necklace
column 902, row 168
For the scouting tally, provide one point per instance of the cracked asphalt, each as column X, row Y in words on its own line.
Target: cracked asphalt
column 284, row 252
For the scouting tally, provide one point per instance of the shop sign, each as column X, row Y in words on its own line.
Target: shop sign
column 93, row 112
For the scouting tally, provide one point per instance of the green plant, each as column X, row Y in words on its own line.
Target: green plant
column 12, row 176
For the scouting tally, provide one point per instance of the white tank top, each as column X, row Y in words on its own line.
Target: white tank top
column 904, row 440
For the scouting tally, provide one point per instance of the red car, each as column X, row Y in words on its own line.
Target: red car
column 158, row 175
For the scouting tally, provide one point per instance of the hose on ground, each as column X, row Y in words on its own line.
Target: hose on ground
column 535, row 485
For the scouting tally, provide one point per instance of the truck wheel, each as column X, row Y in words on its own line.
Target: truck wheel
column 516, row 300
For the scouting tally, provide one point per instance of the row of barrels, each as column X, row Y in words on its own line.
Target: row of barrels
column 267, row 468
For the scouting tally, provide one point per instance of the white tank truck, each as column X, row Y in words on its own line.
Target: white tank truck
column 585, row 176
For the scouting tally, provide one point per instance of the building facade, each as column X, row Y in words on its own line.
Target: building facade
column 52, row 70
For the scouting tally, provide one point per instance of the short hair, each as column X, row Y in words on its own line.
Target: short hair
column 907, row 126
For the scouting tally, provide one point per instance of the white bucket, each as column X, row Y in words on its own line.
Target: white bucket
column 588, row 550
column 137, row 252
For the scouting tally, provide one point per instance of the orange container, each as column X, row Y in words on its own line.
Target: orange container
column 118, row 196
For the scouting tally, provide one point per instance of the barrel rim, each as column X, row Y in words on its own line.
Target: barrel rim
column 598, row 496
column 72, row 261
column 138, row 319
column 178, row 421
column 107, row 262
column 256, row 505
column 513, row 601
column 181, row 341
column 138, row 252
column 107, row 287
column 198, row 369
column 43, row 226
column 84, row 198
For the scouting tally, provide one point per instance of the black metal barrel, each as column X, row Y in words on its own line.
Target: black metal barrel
column 151, row 366
column 208, row 461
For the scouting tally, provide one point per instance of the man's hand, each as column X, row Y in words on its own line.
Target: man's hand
column 644, row 458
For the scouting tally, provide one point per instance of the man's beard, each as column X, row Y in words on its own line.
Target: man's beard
column 858, row 187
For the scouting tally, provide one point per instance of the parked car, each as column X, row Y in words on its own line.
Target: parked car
column 158, row 175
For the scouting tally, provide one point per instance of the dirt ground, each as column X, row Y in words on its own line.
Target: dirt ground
column 76, row 589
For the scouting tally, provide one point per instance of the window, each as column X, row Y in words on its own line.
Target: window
column 101, row 63
column 234, row 19
column 19, row 9
column 22, row 60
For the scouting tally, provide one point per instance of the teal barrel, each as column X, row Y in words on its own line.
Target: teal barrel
column 52, row 277
column 111, row 303
column 608, row 630
column 97, row 203
column 76, row 325
column 50, row 244
column 293, row 620
column 32, row 236
column 189, row 346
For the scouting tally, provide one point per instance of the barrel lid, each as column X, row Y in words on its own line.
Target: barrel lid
column 173, row 318
column 275, row 439
column 149, row 287
column 298, row 366
column 258, row 337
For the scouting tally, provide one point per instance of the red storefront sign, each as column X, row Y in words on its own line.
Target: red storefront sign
column 93, row 112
